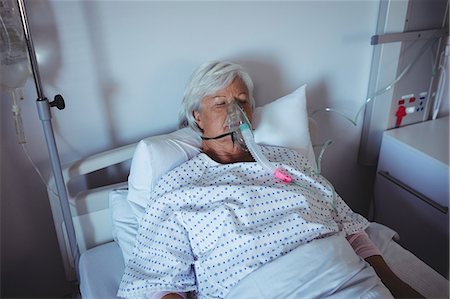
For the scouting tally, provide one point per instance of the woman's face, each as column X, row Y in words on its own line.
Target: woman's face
column 212, row 114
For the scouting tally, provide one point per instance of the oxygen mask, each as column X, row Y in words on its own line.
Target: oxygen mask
column 241, row 133
column 236, row 117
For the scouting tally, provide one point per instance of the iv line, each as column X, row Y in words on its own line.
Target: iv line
column 439, row 94
column 22, row 140
column 37, row 169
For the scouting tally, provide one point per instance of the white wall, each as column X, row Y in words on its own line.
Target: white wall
column 122, row 67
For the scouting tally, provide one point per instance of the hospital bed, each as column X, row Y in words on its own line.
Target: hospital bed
column 104, row 218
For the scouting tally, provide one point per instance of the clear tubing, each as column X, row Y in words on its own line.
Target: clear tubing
column 322, row 151
column 254, row 149
column 247, row 135
column 442, row 79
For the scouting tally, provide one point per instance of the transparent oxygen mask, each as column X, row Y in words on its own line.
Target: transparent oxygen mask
column 234, row 119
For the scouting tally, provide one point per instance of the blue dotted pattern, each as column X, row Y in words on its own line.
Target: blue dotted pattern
column 209, row 225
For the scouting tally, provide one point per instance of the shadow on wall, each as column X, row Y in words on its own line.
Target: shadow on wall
column 263, row 68
column 46, row 42
column 108, row 86
column 47, row 46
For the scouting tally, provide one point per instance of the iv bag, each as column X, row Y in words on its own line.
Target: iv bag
column 14, row 62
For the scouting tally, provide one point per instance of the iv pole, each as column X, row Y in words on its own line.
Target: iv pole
column 43, row 107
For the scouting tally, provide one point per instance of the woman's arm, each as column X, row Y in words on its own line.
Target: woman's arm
column 398, row 287
column 365, row 248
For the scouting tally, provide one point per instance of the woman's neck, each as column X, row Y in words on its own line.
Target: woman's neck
column 226, row 154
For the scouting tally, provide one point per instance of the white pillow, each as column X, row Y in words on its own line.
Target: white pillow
column 283, row 122
column 124, row 224
column 154, row 156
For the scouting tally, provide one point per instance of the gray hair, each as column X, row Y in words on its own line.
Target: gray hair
column 206, row 80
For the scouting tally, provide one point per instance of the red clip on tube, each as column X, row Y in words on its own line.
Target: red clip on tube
column 282, row 176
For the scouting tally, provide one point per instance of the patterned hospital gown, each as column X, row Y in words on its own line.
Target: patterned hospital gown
column 209, row 225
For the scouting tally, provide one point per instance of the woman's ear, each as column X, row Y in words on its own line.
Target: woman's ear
column 197, row 118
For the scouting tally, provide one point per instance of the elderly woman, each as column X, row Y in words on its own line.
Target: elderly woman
column 219, row 220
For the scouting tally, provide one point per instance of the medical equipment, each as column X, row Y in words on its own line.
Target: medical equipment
column 232, row 121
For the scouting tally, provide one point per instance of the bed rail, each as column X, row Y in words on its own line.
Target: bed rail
column 89, row 207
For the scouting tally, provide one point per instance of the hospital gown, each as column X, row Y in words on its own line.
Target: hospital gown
column 208, row 225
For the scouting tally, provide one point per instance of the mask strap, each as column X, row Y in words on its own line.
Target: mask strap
column 217, row 137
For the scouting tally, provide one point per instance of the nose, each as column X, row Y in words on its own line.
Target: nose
column 233, row 100
column 234, row 105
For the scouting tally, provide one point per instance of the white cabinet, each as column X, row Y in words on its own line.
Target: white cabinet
column 412, row 189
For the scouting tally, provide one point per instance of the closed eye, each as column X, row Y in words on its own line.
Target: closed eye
column 219, row 101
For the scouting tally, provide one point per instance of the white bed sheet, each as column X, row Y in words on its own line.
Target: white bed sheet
column 101, row 268
column 323, row 268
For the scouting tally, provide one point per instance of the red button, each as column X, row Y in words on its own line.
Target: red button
column 411, row 100
column 401, row 102
column 401, row 112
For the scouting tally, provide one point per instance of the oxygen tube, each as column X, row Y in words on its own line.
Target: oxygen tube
column 242, row 134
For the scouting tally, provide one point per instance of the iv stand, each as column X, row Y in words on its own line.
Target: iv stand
column 43, row 107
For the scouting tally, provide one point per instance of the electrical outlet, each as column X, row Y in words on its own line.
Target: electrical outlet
column 408, row 109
